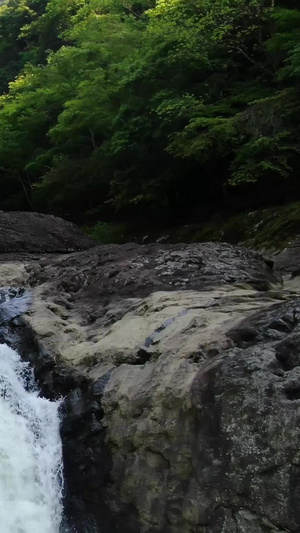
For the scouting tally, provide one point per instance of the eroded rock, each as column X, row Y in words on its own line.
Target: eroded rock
column 184, row 413
column 210, row 446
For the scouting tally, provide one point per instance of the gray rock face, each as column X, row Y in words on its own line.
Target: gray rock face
column 247, row 404
column 189, row 358
column 37, row 233
column 131, row 268
column 287, row 261
column 216, row 449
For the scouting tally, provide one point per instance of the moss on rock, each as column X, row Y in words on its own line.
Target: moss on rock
column 266, row 229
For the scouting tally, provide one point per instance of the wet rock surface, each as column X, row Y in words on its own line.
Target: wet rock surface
column 87, row 460
column 180, row 368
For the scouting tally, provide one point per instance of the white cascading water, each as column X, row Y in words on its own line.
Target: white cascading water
column 30, row 452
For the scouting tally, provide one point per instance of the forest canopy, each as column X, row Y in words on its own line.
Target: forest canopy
column 115, row 108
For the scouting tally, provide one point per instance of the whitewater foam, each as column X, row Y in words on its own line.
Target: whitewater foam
column 30, row 452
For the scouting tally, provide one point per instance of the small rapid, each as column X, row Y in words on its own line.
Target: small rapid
column 30, row 452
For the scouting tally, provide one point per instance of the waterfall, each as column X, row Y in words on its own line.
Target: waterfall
column 30, row 452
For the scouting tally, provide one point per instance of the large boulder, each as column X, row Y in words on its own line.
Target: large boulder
column 288, row 260
column 205, row 436
column 38, row 233
column 79, row 300
column 188, row 417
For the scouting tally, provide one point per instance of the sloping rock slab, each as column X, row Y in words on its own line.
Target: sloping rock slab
column 111, row 272
column 78, row 297
column 38, row 233
column 153, row 330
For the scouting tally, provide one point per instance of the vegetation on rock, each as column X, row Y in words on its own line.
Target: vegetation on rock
column 270, row 229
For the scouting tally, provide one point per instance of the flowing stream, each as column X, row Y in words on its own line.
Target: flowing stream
column 30, row 452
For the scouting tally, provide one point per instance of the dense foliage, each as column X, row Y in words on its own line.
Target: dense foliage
column 133, row 107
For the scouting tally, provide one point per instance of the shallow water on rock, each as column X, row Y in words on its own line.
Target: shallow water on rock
column 30, row 452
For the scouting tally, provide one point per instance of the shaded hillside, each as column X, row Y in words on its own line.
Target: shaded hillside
column 113, row 109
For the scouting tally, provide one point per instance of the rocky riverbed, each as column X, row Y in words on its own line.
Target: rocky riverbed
column 180, row 367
